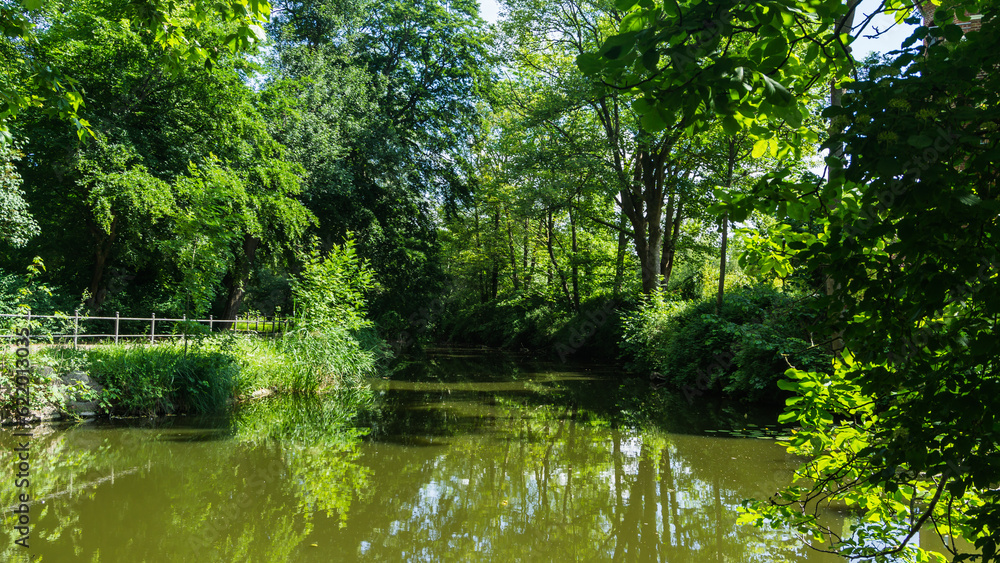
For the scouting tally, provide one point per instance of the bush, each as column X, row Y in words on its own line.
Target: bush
column 743, row 351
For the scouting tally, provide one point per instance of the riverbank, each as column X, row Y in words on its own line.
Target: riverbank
column 204, row 376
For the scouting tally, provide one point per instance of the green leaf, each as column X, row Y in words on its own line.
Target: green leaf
column 730, row 125
column 775, row 92
column 670, row 8
column 651, row 60
column 642, row 106
column 258, row 32
column 653, row 122
column 788, row 385
column 952, row 33
column 786, row 417
column 616, row 45
column 613, row 52
column 812, row 52
column 588, row 63
column 969, row 199
column 759, row 148
column 920, row 141
column 625, row 5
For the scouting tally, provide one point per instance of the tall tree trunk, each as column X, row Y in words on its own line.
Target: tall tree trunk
column 237, row 281
column 641, row 198
column 494, row 262
column 722, row 263
column 653, row 180
column 555, row 263
column 513, row 254
column 620, row 255
column 548, row 244
column 573, row 262
column 670, row 251
column 730, row 164
column 524, row 264
column 669, row 238
column 98, row 289
column 479, row 249
column 643, row 205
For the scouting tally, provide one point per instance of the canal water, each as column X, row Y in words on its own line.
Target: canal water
column 454, row 458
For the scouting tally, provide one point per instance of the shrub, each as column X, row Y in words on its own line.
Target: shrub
column 742, row 350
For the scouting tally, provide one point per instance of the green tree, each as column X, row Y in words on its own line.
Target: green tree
column 390, row 95
column 905, row 429
column 32, row 80
column 117, row 210
column 17, row 225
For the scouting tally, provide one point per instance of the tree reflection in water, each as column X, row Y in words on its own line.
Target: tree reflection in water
column 475, row 458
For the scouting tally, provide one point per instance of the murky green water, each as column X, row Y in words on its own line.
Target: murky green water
column 457, row 458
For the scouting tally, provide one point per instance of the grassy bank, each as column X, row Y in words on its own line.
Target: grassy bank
column 205, row 376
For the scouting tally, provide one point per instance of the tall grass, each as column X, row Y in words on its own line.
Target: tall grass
column 165, row 378
column 300, row 361
column 208, row 374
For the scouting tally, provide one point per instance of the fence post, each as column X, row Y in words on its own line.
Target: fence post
column 184, row 335
column 116, row 327
column 76, row 326
column 210, row 323
column 152, row 330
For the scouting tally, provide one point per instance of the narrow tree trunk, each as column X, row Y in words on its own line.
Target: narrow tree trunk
column 237, row 281
column 555, row 262
column 573, row 262
column 479, row 249
column 494, row 262
column 722, row 263
column 98, row 287
column 513, row 256
column 620, row 256
column 529, row 268
column 548, row 244
column 730, row 164
column 669, row 237
column 671, row 251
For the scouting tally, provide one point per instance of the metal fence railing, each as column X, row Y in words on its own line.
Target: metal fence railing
column 119, row 327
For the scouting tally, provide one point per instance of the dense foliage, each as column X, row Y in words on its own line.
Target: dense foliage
column 581, row 175
column 742, row 349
